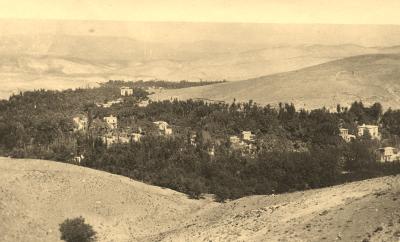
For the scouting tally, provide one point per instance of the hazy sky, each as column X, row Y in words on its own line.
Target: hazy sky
column 117, row 19
column 269, row 34
column 265, row 11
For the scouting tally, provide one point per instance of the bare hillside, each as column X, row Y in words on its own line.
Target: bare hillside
column 37, row 195
column 351, row 212
column 370, row 78
column 65, row 61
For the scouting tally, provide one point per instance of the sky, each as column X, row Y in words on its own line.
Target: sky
column 253, row 11
column 274, row 22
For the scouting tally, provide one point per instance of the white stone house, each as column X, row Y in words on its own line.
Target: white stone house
column 143, row 103
column 372, row 129
column 109, row 139
column 163, row 127
column 193, row 139
column 234, row 139
column 124, row 138
column 136, row 137
column 126, row 91
column 110, row 103
column 248, row 136
column 114, row 138
column 168, row 131
column 344, row 133
column 111, row 121
column 80, row 123
column 388, row 154
column 211, row 151
column 78, row 159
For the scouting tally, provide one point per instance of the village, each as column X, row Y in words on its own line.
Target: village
column 202, row 146
column 245, row 142
column 383, row 154
column 112, row 133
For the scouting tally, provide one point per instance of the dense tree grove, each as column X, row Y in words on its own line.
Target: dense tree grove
column 293, row 149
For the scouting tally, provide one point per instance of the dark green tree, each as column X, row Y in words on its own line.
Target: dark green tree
column 76, row 230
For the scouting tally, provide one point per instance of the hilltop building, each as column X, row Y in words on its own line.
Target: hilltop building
column 126, row 91
column 371, row 129
column 111, row 121
column 344, row 133
column 388, row 154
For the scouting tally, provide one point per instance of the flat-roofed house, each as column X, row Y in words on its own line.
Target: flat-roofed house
column 164, row 127
column 388, row 154
column 123, row 138
column 78, row 159
column 211, row 151
column 168, row 131
column 373, row 130
column 248, row 136
column 234, row 139
column 126, row 91
column 109, row 139
column 344, row 133
column 114, row 138
column 136, row 137
column 111, row 121
column 80, row 123
column 144, row 103
column 193, row 139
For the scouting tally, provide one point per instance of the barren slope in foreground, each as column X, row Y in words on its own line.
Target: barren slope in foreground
column 36, row 195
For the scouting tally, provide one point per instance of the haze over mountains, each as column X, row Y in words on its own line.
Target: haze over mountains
column 69, row 54
column 369, row 78
column 68, row 61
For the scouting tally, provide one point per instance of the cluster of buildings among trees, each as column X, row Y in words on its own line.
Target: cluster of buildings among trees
column 195, row 146
column 371, row 131
column 383, row 154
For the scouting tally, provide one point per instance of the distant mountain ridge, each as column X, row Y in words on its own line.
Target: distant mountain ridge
column 369, row 78
column 62, row 61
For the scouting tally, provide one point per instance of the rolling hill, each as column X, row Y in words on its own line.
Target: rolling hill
column 37, row 195
column 63, row 61
column 370, row 78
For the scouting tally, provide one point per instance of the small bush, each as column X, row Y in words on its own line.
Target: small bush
column 75, row 230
